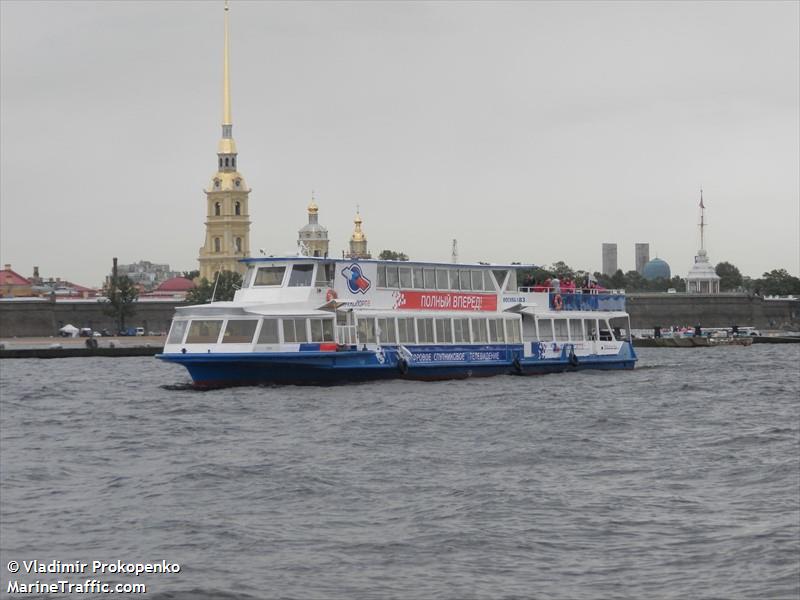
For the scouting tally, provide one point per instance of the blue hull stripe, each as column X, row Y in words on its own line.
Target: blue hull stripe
column 428, row 363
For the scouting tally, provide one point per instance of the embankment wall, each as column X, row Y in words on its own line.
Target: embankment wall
column 723, row 310
column 22, row 318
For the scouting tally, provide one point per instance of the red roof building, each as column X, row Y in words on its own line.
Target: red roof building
column 13, row 285
column 177, row 287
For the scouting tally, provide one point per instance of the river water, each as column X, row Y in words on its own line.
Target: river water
column 680, row 479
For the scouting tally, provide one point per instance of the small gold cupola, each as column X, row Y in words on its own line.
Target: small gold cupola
column 358, row 241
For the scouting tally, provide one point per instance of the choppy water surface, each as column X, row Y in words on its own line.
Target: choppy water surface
column 677, row 480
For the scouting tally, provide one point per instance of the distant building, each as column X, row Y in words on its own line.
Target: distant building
column 312, row 239
column 146, row 274
column 656, row 269
column 14, row 285
column 176, row 288
column 609, row 259
column 702, row 277
column 227, row 219
column 358, row 241
column 642, row 253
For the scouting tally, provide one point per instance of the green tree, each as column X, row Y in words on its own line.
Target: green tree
column 730, row 278
column 121, row 295
column 678, row 283
column 778, row 282
column 617, row 280
column 227, row 283
column 562, row 270
column 392, row 255
column 634, row 282
column 192, row 275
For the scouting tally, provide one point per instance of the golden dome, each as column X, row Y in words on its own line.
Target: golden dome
column 313, row 208
column 358, row 235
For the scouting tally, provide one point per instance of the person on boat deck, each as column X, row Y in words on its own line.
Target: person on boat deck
column 556, row 285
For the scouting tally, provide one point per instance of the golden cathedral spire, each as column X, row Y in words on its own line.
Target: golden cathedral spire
column 227, row 198
column 226, row 78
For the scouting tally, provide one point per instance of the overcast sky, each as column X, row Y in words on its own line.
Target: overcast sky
column 528, row 131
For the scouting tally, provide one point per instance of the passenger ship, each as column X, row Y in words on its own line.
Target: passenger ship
column 309, row 320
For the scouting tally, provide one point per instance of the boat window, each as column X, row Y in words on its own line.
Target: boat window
column 454, row 285
column 382, row 276
column 239, row 331
column 269, row 332
column 366, row 330
column 444, row 331
column 405, row 328
column 321, row 330
column 387, row 332
column 605, row 331
column 442, row 282
column 479, row 331
column 477, row 280
column 294, row 331
column 512, row 331
column 560, row 330
column 430, row 279
column 392, row 279
column 177, row 331
column 405, row 277
column 269, row 276
column 301, row 276
column 619, row 327
column 576, row 330
column 418, row 281
column 248, row 277
column 425, row 331
column 546, row 330
column 496, row 331
column 461, row 331
column 512, row 282
column 488, row 284
column 500, row 277
column 325, row 274
column 204, row 332
column 464, row 280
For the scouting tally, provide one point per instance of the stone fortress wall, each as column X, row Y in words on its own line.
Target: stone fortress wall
column 24, row 318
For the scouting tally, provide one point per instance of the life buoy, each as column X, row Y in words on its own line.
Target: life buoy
column 558, row 302
column 330, row 295
column 402, row 366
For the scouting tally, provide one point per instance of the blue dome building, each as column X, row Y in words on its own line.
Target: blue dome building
column 656, row 269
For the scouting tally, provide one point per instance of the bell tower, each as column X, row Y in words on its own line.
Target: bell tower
column 227, row 196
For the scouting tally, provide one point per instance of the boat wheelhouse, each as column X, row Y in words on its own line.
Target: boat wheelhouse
column 310, row 320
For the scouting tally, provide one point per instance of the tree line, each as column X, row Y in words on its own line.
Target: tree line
column 777, row 282
column 121, row 293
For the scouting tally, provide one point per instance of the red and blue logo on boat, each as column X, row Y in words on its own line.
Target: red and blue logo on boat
column 357, row 282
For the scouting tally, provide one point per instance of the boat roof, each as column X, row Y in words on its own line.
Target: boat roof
column 479, row 265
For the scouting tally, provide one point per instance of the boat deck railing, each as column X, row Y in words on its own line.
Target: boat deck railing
column 570, row 290
column 586, row 299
